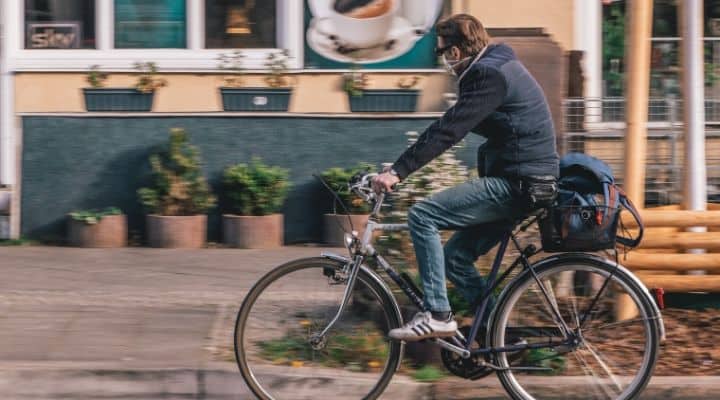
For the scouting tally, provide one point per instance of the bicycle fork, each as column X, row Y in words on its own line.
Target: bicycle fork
column 354, row 268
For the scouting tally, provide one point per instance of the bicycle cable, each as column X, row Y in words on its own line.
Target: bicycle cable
column 339, row 200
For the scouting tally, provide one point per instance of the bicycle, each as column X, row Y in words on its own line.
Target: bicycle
column 318, row 324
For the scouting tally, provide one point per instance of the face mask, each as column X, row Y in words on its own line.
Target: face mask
column 450, row 65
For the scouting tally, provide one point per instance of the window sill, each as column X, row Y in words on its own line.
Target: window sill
column 347, row 115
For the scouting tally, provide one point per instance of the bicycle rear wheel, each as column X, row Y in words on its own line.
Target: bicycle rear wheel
column 294, row 302
column 612, row 353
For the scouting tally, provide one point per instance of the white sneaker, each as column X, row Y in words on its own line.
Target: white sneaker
column 423, row 326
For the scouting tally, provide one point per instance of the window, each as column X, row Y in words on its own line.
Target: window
column 240, row 24
column 59, row 24
column 149, row 24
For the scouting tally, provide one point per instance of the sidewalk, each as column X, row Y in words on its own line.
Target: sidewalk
column 149, row 324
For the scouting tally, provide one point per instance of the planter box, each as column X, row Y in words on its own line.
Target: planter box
column 253, row 232
column 110, row 231
column 335, row 226
column 385, row 100
column 103, row 99
column 177, row 231
column 255, row 99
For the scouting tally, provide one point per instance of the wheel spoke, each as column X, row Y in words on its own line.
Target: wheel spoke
column 614, row 365
column 593, row 377
column 618, row 323
column 604, row 366
column 547, row 296
column 291, row 304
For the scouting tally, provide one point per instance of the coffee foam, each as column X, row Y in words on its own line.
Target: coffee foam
column 363, row 8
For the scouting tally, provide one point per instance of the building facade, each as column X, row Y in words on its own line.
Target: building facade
column 52, row 147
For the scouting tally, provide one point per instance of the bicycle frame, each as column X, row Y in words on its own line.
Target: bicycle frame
column 362, row 249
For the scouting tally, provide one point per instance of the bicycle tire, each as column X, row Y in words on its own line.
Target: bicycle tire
column 365, row 277
column 653, row 319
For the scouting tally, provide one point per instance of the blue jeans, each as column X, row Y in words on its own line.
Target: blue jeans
column 480, row 210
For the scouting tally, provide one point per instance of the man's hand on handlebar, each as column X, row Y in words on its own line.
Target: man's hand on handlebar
column 384, row 182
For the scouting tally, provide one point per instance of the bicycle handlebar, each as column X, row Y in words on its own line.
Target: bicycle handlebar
column 361, row 185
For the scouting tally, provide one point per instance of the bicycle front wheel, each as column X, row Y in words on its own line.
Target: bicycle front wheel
column 276, row 344
column 590, row 329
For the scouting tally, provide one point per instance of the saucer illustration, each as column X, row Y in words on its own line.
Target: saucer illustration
column 321, row 37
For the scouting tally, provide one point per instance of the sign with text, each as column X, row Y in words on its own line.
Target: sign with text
column 64, row 35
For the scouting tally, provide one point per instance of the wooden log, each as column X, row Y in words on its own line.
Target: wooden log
column 674, row 262
column 682, row 283
column 660, row 208
column 683, row 240
column 657, row 230
column 656, row 251
column 679, row 218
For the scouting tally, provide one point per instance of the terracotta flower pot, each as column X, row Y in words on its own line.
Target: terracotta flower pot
column 177, row 231
column 335, row 226
column 253, row 232
column 110, row 231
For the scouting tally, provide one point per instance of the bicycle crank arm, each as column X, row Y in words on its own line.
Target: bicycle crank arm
column 464, row 353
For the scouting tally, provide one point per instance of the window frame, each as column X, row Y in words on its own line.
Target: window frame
column 195, row 57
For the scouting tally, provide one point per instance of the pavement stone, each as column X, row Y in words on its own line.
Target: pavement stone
column 139, row 323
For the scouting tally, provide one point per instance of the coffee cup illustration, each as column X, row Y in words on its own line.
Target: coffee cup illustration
column 367, row 31
column 363, row 23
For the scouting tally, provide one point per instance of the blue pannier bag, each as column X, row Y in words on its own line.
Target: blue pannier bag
column 586, row 213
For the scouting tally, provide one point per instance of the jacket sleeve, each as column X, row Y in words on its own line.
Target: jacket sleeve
column 481, row 93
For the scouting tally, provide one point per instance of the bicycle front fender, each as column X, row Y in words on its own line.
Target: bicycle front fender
column 372, row 275
column 369, row 273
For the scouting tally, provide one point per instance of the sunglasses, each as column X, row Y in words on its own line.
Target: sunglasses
column 441, row 50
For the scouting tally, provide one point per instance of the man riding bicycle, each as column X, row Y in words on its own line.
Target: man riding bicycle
column 500, row 100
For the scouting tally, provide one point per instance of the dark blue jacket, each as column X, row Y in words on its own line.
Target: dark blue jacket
column 500, row 100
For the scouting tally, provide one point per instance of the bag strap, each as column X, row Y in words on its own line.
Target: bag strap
column 628, row 205
column 612, row 199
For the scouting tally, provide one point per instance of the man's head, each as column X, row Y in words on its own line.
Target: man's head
column 460, row 36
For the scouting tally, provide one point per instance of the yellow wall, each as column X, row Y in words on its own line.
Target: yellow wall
column 313, row 93
column 556, row 16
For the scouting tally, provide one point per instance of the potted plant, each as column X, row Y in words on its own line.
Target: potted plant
column 97, row 228
column 275, row 97
column 138, row 98
column 337, row 223
column 253, row 195
column 362, row 99
column 179, row 198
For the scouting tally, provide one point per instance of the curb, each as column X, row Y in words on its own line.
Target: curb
column 80, row 381
column 213, row 382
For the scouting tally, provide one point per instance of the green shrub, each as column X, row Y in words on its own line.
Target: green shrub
column 442, row 173
column 546, row 358
column 428, row 373
column 337, row 179
column 179, row 188
column 233, row 64
column 147, row 80
column 360, row 349
column 94, row 216
column 355, row 81
column 96, row 78
column 277, row 64
column 255, row 189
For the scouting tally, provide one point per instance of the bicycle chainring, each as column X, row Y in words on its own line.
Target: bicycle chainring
column 472, row 368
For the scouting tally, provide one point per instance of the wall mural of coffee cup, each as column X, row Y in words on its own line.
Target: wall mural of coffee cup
column 376, row 33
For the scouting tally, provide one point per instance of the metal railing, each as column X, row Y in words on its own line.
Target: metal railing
column 597, row 127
